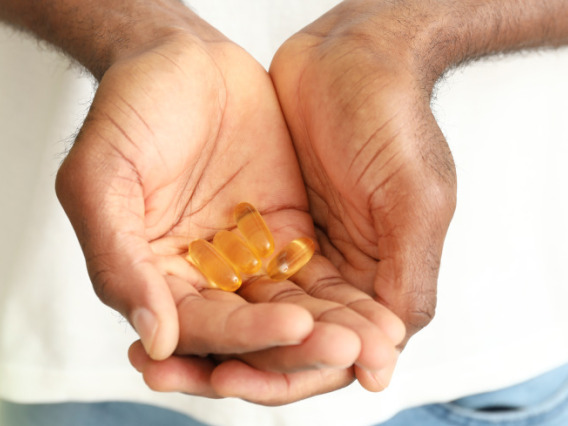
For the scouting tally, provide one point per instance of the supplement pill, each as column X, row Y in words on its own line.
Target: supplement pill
column 234, row 248
column 291, row 259
column 213, row 266
column 254, row 229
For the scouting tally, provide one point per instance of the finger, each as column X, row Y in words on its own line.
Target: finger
column 328, row 346
column 105, row 204
column 199, row 376
column 220, row 322
column 237, row 379
column 141, row 293
column 321, row 279
column 375, row 381
column 377, row 350
column 190, row 375
column 411, row 237
column 373, row 371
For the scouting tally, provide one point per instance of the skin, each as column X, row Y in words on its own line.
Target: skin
column 182, row 128
column 177, row 135
column 214, row 128
column 379, row 175
column 355, row 89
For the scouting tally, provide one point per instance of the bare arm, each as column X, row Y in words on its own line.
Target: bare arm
column 355, row 88
column 98, row 33
column 175, row 138
column 482, row 28
column 434, row 35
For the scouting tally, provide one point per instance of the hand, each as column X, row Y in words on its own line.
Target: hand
column 177, row 135
column 379, row 174
column 167, row 150
column 168, row 100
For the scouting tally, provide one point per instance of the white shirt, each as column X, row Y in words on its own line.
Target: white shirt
column 503, row 284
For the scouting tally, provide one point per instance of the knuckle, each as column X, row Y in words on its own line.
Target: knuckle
column 155, row 384
column 420, row 311
column 103, row 281
column 102, row 284
column 63, row 182
column 439, row 201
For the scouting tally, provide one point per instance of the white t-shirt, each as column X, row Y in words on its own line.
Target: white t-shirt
column 503, row 284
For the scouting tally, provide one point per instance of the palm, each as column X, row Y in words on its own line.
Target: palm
column 240, row 150
column 379, row 204
column 176, row 137
column 201, row 151
column 174, row 140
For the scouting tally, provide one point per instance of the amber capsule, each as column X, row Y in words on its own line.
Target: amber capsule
column 213, row 266
column 291, row 259
column 254, row 229
column 237, row 252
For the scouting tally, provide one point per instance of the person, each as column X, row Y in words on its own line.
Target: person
column 354, row 90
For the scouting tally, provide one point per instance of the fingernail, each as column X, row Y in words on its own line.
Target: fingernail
column 383, row 376
column 145, row 324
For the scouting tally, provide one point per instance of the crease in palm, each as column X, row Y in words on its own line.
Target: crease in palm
column 185, row 141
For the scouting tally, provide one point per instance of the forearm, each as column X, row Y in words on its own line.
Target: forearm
column 97, row 33
column 434, row 35
column 474, row 28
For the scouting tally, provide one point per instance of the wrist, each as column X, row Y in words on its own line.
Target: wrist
column 429, row 37
column 135, row 30
column 156, row 23
column 99, row 33
column 395, row 34
column 418, row 38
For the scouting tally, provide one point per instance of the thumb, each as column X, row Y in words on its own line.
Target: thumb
column 129, row 281
column 105, row 205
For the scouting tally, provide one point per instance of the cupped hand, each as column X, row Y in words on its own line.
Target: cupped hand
column 379, row 175
column 359, row 330
column 175, row 138
column 177, row 135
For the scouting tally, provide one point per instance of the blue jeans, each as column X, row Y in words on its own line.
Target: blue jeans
column 542, row 401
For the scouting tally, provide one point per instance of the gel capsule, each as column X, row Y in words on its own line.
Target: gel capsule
column 237, row 252
column 254, row 229
column 291, row 259
column 213, row 266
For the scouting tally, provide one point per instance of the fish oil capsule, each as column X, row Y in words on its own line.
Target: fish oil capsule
column 291, row 259
column 254, row 229
column 237, row 252
column 213, row 266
